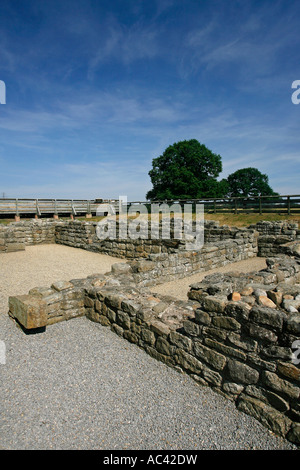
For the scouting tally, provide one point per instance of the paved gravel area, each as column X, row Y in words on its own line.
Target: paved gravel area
column 78, row 385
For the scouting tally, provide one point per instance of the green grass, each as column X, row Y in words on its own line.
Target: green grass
column 244, row 220
column 237, row 220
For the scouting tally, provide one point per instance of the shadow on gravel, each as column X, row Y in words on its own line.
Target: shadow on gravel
column 32, row 331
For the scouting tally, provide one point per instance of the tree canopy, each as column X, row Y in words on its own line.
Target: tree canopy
column 186, row 170
column 189, row 170
column 248, row 182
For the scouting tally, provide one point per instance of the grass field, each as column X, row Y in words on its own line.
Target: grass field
column 244, row 220
column 237, row 220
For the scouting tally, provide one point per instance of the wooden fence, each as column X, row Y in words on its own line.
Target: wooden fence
column 289, row 204
column 49, row 207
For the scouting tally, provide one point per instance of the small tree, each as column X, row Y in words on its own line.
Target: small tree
column 248, row 182
column 186, row 170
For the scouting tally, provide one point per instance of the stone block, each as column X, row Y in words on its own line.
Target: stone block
column 121, row 268
column 214, row 304
column 29, row 311
column 15, row 247
column 267, row 316
column 215, row 359
column 242, row 373
column 188, row 362
column 62, row 285
column 264, row 413
column 159, row 328
column 280, row 385
column 226, row 323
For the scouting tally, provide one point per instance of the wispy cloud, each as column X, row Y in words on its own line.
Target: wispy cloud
column 125, row 45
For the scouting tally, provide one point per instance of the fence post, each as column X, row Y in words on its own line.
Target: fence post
column 289, row 205
column 17, row 216
column 260, row 209
column 37, row 209
column 235, row 206
column 88, row 214
column 55, row 215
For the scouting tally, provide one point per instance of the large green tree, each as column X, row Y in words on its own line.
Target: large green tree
column 186, row 170
column 248, row 182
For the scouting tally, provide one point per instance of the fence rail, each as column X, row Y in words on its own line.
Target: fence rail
column 287, row 204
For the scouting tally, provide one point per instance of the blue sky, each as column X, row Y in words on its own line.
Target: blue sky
column 95, row 90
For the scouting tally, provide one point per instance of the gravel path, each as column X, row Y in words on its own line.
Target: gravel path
column 80, row 386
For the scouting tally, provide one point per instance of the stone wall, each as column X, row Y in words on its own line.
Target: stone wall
column 16, row 235
column 83, row 235
column 161, row 268
column 272, row 235
column 234, row 333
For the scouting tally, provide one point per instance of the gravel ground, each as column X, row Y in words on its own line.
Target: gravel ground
column 78, row 385
column 179, row 288
column 41, row 265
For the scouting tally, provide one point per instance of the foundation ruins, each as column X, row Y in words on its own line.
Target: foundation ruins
column 237, row 333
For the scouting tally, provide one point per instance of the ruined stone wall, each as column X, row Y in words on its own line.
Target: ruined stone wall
column 274, row 234
column 16, row 235
column 234, row 333
column 83, row 235
column 161, row 268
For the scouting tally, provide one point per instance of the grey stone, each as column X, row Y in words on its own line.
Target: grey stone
column 280, row 385
column 267, row 316
column 242, row 373
column 270, row 417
